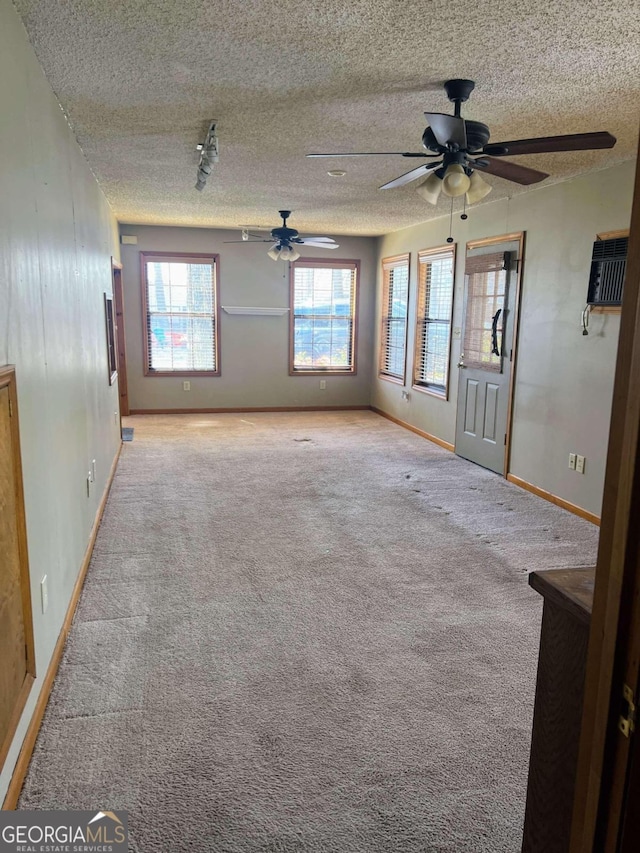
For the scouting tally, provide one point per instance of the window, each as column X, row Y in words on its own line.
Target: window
column 393, row 337
column 486, row 276
column 180, row 314
column 323, row 316
column 433, row 332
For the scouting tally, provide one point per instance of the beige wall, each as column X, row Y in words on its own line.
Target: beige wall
column 57, row 234
column 564, row 380
column 254, row 349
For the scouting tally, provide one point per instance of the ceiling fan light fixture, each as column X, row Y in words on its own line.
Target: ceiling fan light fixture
column 431, row 188
column 478, row 188
column 456, row 182
column 294, row 254
column 274, row 253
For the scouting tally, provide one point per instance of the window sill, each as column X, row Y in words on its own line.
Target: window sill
column 165, row 374
column 320, row 372
column 394, row 379
column 606, row 309
column 439, row 395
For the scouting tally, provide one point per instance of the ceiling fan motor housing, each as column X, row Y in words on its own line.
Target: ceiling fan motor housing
column 284, row 235
column 477, row 137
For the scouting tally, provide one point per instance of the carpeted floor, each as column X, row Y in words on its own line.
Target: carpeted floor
column 304, row 632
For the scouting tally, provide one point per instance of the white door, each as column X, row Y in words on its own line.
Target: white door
column 487, row 353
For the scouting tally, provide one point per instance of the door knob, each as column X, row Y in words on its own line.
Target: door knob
column 461, row 362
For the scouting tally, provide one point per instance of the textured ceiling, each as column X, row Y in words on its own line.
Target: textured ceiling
column 140, row 82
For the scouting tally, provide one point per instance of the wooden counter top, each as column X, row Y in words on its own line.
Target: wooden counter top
column 571, row 589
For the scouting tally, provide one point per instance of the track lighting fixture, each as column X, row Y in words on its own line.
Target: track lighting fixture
column 209, row 154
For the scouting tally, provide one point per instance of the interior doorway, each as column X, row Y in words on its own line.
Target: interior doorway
column 118, row 299
column 487, row 358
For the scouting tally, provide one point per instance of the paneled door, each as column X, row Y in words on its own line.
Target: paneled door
column 486, row 356
column 16, row 635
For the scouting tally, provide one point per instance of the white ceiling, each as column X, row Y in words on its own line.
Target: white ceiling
column 140, row 82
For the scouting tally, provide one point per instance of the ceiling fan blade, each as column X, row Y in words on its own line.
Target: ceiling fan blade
column 317, row 239
column 510, row 171
column 413, row 175
column 551, row 144
column 246, row 241
column 448, row 129
column 376, row 154
column 318, row 244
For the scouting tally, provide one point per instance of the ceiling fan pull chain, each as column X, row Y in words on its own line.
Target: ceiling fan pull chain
column 464, row 207
column 450, row 238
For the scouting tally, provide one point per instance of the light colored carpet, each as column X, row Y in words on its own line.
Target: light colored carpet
column 304, row 632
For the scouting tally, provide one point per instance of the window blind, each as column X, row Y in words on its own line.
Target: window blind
column 180, row 315
column 395, row 295
column 433, row 333
column 323, row 316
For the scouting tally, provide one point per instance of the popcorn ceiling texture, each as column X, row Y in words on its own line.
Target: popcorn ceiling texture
column 140, row 82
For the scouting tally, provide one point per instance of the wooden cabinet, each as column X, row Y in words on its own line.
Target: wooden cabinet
column 568, row 596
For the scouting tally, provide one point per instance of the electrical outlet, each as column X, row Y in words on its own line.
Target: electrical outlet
column 406, row 396
column 186, row 385
column 580, row 464
column 44, row 594
column 572, row 461
column 323, row 384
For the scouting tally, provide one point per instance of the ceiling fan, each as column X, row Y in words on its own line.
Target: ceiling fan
column 462, row 147
column 286, row 240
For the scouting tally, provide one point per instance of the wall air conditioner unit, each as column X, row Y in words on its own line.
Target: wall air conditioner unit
column 608, row 265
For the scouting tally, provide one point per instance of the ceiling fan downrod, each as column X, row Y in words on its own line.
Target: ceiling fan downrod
column 458, row 92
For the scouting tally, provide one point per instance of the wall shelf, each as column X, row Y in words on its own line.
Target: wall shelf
column 275, row 312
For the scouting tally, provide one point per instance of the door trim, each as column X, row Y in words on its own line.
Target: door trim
column 514, row 237
column 600, row 801
column 8, row 380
